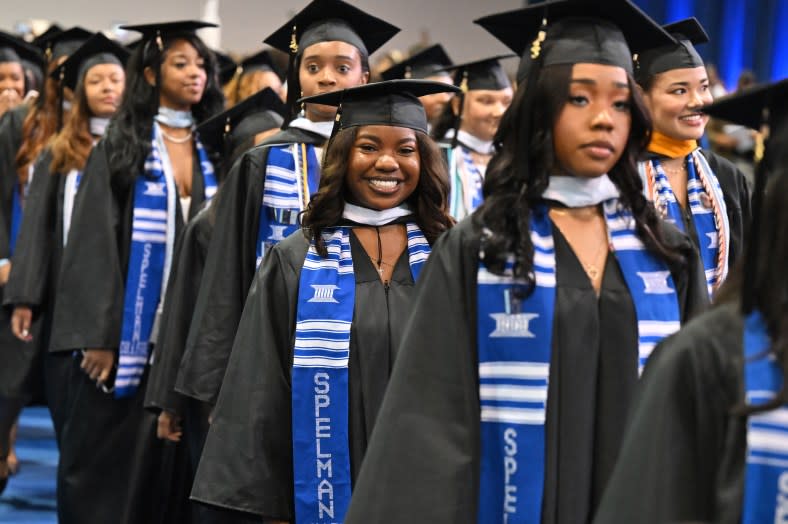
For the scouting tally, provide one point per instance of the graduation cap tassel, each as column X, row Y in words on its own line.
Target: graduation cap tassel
column 225, row 141
column 293, row 85
column 536, row 46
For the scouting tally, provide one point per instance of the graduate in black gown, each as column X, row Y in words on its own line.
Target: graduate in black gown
column 271, row 184
column 95, row 75
column 467, row 127
column 229, row 134
column 140, row 185
column 701, row 192
column 327, row 310
column 516, row 370
column 24, row 132
column 707, row 439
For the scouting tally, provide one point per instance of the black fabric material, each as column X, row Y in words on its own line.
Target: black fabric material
column 34, row 271
column 98, row 49
column 683, row 457
column 20, row 374
column 426, row 444
column 229, row 270
column 486, row 73
column 13, row 49
column 247, row 461
column 420, row 65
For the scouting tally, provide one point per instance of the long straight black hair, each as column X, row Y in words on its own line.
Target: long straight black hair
column 129, row 135
column 519, row 172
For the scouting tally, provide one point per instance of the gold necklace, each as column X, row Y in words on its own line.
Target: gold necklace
column 586, row 213
column 175, row 139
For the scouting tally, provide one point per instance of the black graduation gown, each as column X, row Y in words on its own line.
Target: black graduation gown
column 423, row 462
column 33, row 278
column 109, row 455
column 683, row 457
column 17, row 379
column 247, row 461
column 229, row 269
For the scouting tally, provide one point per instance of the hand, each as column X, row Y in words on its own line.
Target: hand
column 9, row 99
column 5, row 270
column 98, row 363
column 21, row 319
column 169, row 427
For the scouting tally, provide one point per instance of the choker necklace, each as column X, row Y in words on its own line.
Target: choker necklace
column 175, row 139
column 174, row 118
column 98, row 125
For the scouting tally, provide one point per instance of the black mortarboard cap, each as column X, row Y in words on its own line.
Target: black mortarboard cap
column 40, row 40
column 388, row 103
column 226, row 66
column 161, row 30
column 260, row 112
column 98, row 49
column 332, row 20
column 753, row 107
column 63, row 43
column 486, row 73
column 576, row 31
column 13, row 49
column 261, row 61
column 679, row 55
column 420, row 65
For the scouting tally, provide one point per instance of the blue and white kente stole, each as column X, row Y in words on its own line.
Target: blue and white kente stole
column 707, row 204
column 321, row 446
column 150, row 258
column 515, row 346
column 292, row 174
column 766, row 479
column 466, row 181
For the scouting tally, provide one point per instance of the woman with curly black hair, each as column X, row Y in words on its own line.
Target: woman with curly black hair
column 534, row 315
column 326, row 312
column 139, row 187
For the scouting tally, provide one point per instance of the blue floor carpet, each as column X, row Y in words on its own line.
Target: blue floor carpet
column 29, row 497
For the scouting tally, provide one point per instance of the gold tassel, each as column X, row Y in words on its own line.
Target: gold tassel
column 408, row 73
column 227, row 126
column 159, row 41
column 759, row 148
column 464, row 83
column 536, row 46
column 293, row 42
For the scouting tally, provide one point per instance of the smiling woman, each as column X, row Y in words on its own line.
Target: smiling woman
column 316, row 382
column 705, row 195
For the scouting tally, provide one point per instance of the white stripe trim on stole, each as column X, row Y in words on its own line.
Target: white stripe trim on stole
column 320, row 362
column 337, row 326
column 767, row 440
column 149, row 225
column 658, row 328
column 156, row 214
column 522, row 370
column 535, row 416
column 508, row 392
column 140, row 236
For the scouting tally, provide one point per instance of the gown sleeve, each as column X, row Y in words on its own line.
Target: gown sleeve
column 27, row 284
column 679, row 460
column 89, row 309
column 420, row 464
column 229, row 269
column 176, row 318
column 242, row 466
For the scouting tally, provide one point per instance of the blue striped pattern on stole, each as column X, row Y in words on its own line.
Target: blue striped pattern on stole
column 710, row 222
column 466, row 180
column 284, row 194
column 514, row 345
column 766, row 478
column 648, row 279
column 146, row 275
column 321, row 445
